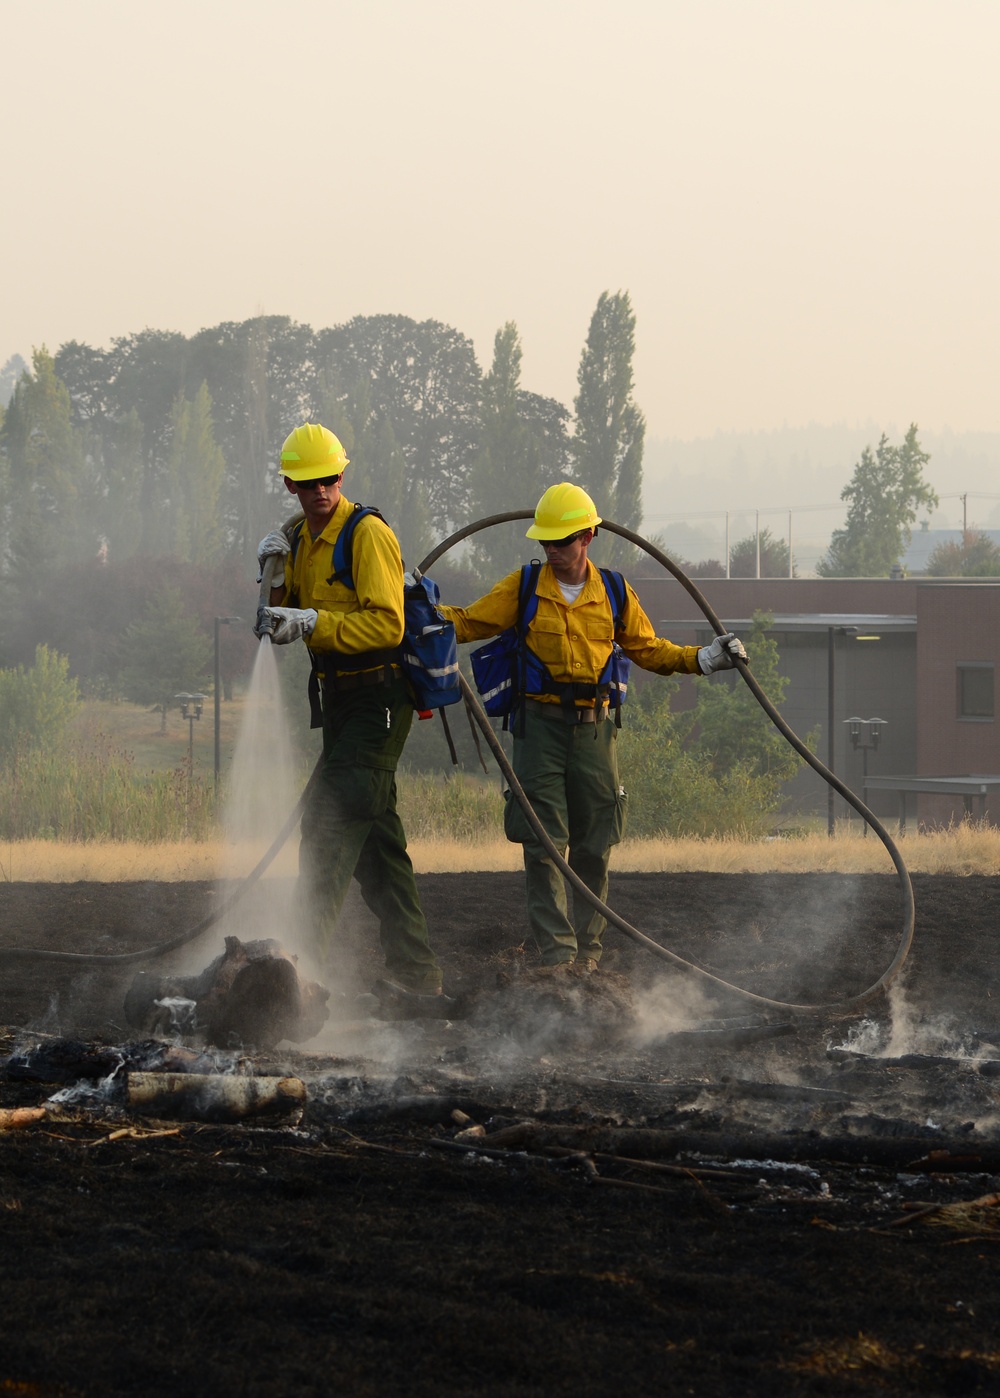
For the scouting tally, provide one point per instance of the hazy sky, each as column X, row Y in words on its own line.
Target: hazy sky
column 801, row 196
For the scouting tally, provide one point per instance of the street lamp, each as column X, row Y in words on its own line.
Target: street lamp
column 867, row 741
column 191, row 707
column 219, row 621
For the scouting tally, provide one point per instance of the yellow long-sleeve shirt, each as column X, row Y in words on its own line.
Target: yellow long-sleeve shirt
column 574, row 640
column 350, row 622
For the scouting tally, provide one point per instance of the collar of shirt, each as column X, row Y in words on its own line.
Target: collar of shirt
column 593, row 587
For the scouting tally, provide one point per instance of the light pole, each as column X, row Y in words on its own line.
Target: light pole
column 867, row 741
column 219, row 621
column 191, row 707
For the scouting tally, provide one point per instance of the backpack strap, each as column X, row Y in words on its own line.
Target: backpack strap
column 614, row 585
column 343, row 548
column 295, row 538
column 527, row 606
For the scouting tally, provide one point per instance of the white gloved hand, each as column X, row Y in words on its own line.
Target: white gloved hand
column 722, row 654
column 273, row 544
column 284, row 624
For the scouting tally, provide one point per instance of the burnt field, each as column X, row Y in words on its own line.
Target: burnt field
column 636, row 1182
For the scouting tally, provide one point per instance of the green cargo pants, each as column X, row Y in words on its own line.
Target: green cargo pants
column 570, row 774
column 350, row 828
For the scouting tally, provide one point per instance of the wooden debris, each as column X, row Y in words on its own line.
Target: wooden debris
column 16, row 1118
column 471, row 1133
column 216, row 1097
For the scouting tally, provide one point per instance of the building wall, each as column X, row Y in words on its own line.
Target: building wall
column 956, row 623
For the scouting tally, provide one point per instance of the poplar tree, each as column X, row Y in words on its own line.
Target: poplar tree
column 610, row 429
column 524, row 450
column 195, row 475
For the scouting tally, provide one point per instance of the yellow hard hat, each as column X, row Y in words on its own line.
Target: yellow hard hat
column 564, row 509
column 311, row 451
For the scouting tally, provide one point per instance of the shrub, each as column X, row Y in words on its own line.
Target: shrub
column 36, row 705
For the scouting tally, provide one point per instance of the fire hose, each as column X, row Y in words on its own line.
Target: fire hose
column 519, row 794
column 906, row 887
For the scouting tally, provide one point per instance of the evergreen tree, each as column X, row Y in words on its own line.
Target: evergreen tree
column 195, row 475
column 524, row 450
column 610, row 429
column 883, row 497
column 164, row 653
column 46, row 473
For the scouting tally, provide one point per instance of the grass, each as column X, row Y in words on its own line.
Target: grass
column 965, row 849
column 136, row 729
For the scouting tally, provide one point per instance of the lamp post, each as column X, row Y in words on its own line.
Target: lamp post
column 191, row 707
column 867, row 741
column 219, row 621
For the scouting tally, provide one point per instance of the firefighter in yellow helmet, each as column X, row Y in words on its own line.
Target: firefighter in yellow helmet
column 581, row 619
column 351, row 619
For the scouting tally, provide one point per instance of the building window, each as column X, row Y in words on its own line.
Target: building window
column 975, row 691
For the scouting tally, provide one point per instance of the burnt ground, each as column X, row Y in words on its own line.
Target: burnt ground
column 685, row 1192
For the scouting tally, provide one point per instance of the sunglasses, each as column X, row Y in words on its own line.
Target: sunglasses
column 311, row 485
column 562, row 543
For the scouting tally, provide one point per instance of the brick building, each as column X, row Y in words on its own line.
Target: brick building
column 922, row 655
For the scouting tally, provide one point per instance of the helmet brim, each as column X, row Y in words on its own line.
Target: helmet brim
column 541, row 531
column 309, row 473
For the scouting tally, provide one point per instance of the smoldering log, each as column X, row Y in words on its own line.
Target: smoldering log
column 213, row 1097
column 70, row 1060
column 250, row 995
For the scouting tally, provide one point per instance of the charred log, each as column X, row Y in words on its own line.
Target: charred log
column 251, row 995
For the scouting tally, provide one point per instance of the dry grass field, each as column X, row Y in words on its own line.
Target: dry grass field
column 963, row 850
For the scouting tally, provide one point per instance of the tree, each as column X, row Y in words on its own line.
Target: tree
column 46, row 473
column 773, row 557
column 36, row 704
column 718, row 768
column 975, row 556
column 423, row 379
column 195, row 476
column 610, row 429
column 524, row 449
column 10, row 372
column 164, row 653
column 883, row 497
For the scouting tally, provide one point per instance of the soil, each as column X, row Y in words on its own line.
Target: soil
column 685, row 1191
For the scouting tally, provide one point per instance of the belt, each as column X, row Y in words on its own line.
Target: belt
column 562, row 715
column 386, row 674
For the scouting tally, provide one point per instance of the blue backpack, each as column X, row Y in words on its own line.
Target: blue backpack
column 428, row 653
column 505, row 669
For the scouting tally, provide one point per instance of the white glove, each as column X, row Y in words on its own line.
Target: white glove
column 722, row 654
column 284, row 624
column 272, row 544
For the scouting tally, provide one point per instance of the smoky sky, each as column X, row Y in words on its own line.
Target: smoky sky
column 802, row 200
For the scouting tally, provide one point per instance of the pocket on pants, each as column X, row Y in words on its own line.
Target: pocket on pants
column 361, row 792
column 619, row 819
column 515, row 822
